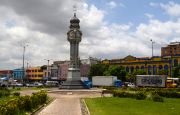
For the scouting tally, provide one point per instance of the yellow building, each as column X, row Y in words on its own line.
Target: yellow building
column 170, row 58
column 151, row 65
column 34, row 74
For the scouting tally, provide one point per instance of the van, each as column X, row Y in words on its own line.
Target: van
column 52, row 83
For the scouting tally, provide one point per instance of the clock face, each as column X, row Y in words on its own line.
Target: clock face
column 72, row 35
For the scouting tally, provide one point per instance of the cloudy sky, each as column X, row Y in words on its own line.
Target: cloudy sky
column 111, row 29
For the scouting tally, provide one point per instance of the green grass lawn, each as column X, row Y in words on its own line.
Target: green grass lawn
column 128, row 106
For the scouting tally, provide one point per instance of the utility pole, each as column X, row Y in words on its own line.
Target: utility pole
column 152, row 45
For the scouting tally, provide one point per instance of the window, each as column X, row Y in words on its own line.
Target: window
column 132, row 69
column 166, row 68
column 127, row 69
column 160, row 67
column 40, row 71
column 154, row 70
column 142, row 67
column 149, row 70
column 175, row 62
column 137, row 67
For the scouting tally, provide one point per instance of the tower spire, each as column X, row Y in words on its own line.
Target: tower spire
column 74, row 22
column 74, row 9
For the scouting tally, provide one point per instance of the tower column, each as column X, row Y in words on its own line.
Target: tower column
column 74, row 38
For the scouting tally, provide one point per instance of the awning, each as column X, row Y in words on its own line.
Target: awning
column 4, row 78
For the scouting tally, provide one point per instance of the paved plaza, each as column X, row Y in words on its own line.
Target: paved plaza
column 66, row 102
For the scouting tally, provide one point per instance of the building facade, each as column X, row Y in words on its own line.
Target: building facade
column 63, row 66
column 34, row 74
column 173, row 49
column 5, row 73
column 151, row 65
column 18, row 74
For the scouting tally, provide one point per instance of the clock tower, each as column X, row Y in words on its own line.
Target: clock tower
column 74, row 37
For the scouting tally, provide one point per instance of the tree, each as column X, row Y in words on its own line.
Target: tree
column 176, row 71
column 118, row 71
column 132, row 76
column 97, row 70
column 163, row 72
column 44, row 67
column 140, row 72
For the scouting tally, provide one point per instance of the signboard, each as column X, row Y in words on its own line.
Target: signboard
column 151, row 80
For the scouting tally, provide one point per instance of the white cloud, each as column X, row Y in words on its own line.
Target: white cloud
column 153, row 4
column 46, row 31
column 112, row 4
column 173, row 9
column 150, row 16
column 161, row 32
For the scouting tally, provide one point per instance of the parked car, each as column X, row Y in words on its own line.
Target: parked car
column 132, row 85
column 16, row 84
column 52, row 83
column 38, row 84
column 19, row 85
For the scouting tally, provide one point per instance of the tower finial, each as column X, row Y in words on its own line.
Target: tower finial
column 74, row 9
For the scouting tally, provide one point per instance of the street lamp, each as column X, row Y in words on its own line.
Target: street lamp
column 27, row 72
column 152, row 46
column 48, row 68
column 24, row 49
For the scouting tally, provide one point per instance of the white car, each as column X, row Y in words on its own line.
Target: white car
column 132, row 85
column 38, row 84
column 19, row 84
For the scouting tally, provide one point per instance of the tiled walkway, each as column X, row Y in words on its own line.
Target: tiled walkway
column 66, row 103
column 63, row 106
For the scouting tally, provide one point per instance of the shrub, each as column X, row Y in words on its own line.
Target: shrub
column 140, row 96
column 4, row 92
column 109, row 87
column 157, row 98
column 16, row 93
column 117, row 93
column 35, row 100
column 3, row 110
column 23, row 103
column 168, row 94
column 18, row 88
column 12, row 107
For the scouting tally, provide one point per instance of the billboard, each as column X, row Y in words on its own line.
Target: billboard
column 151, row 80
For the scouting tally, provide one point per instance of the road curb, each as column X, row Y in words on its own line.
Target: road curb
column 84, row 108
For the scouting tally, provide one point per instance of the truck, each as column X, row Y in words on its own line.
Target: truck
column 151, row 80
column 104, row 80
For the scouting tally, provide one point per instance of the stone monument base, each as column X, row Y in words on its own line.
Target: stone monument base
column 73, row 80
column 72, row 85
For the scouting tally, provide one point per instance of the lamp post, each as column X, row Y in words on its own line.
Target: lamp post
column 152, row 45
column 24, row 49
column 27, row 72
column 48, row 68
